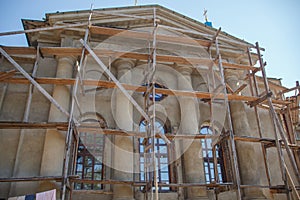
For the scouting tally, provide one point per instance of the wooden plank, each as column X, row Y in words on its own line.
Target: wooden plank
column 20, row 50
column 254, row 139
column 114, row 182
column 238, row 66
column 288, row 90
column 260, row 100
column 37, row 85
column 96, row 129
column 43, row 29
column 141, row 183
column 24, row 59
column 6, row 75
column 72, row 51
column 31, row 125
column 136, row 88
column 81, row 192
column 240, row 88
column 35, row 178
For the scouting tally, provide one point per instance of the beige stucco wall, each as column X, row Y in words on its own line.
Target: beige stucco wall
column 23, row 151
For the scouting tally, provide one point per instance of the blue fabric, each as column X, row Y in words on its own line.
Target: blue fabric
column 30, row 197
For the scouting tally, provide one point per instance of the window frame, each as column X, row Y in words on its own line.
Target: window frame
column 159, row 145
column 84, row 152
column 208, row 158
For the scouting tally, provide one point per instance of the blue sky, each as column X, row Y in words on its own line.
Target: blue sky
column 273, row 23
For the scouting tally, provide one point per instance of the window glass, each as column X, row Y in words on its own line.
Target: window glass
column 89, row 164
column 208, row 159
column 161, row 155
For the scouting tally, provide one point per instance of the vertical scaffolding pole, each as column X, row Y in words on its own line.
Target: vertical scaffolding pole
column 149, row 142
column 79, row 80
column 272, row 116
column 276, row 121
column 69, row 142
column 26, row 114
column 153, row 129
column 254, row 92
column 231, row 135
column 81, row 68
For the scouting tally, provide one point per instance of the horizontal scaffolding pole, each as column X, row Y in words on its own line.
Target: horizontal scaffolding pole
column 136, row 88
column 288, row 90
column 96, row 129
column 34, row 125
column 140, row 183
column 35, row 178
column 33, row 82
column 43, row 29
column 73, row 51
column 6, row 75
column 74, row 179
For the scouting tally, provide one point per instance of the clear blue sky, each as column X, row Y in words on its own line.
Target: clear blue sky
column 275, row 24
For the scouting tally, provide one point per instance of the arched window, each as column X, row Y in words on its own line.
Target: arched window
column 157, row 96
column 89, row 162
column 162, row 155
column 208, row 159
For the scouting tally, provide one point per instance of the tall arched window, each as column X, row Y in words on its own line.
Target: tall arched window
column 89, row 162
column 208, row 159
column 162, row 155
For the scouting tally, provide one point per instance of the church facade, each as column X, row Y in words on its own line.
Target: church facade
column 144, row 103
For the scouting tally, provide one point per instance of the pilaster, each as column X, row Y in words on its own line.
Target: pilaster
column 54, row 144
column 193, row 164
column 250, row 164
column 123, row 150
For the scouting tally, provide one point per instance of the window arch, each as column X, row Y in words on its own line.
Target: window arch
column 89, row 161
column 95, row 74
column 165, row 171
column 208, row 158
column 157, row 96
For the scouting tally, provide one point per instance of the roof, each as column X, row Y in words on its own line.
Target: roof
column 120, row 16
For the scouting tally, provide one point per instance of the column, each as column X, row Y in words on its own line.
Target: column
column 123, row 150
column 193, row 163
column 249, row 154
column 54, row 145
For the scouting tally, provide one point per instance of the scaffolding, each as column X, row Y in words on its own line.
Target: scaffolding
column 284, row 113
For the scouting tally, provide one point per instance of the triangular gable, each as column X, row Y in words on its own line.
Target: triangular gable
column 141, row 16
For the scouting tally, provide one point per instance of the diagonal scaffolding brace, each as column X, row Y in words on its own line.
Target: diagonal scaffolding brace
column 38, row 86
column 119, row 85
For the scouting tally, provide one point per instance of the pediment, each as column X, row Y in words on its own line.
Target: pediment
column 131, row 18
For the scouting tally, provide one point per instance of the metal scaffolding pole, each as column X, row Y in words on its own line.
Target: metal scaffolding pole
column 275, row 119
column 254, row 92
column 115, row 80
column 38, row 86
column 150, row 179
column 277, row 128
column 231, row 135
